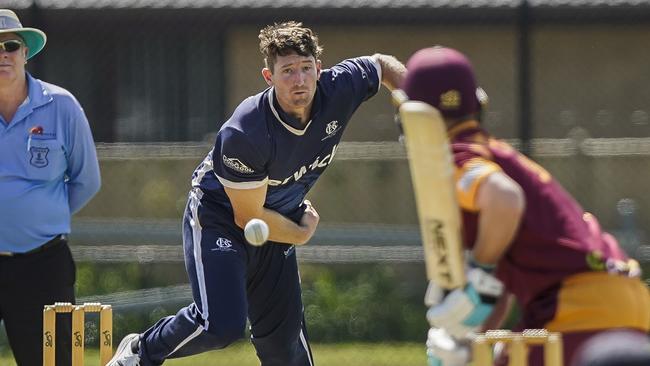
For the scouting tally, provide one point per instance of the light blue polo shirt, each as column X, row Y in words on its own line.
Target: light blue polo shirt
column 48, row 167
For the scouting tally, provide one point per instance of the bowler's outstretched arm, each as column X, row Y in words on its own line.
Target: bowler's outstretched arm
column 392, row 70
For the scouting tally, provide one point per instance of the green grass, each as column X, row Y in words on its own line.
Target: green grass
column 243, row 354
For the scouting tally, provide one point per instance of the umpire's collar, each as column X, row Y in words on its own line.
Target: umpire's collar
column 37, row 96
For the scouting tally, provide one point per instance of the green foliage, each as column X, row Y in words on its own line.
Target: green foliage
column 143, row 189
column 100, row 279
column 342, row 302
column 367, row 304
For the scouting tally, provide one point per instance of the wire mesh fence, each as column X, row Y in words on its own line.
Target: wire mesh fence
column 368, row 189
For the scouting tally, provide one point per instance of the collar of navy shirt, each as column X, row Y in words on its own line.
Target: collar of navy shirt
column 293, row 121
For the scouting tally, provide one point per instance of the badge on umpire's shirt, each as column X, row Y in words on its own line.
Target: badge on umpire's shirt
column 39, row 156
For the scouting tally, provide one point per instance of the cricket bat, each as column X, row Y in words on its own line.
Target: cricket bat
column 432, row 169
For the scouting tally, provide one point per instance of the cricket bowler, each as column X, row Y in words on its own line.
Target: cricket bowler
column 266, row 158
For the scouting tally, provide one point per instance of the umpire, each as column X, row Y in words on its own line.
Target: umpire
column 48, row 171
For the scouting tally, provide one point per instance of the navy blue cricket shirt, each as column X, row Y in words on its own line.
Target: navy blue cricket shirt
column 258, row 145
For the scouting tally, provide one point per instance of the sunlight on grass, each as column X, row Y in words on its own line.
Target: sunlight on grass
column 243, row 354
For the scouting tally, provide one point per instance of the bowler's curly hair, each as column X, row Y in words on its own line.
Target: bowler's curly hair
column 284, row 38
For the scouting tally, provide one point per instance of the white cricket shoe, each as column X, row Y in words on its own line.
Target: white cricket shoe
column 127, row 352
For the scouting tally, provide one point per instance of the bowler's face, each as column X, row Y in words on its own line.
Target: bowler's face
column 294, row 78
column 12, row 64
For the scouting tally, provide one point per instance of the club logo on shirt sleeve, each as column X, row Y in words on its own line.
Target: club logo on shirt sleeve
column 236, row 165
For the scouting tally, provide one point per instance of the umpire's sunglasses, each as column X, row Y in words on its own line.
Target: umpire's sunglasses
column 11, row 45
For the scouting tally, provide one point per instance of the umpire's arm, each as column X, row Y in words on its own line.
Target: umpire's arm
column 82, row 175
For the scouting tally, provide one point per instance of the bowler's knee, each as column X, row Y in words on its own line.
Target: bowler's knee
column 225, row 333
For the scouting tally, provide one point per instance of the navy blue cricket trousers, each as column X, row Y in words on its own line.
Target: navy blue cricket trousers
column 232, row 280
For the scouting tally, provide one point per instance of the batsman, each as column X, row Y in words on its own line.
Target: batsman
column 525, row 238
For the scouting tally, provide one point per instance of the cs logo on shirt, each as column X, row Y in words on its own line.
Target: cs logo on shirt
column 331, row 129
column 223, row 245
column 39, row 156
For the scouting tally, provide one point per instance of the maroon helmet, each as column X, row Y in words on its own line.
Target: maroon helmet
column 443, row 78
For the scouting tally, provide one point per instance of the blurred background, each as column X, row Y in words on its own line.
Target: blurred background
column 568, row 81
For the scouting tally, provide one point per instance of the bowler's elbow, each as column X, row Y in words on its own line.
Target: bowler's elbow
column 241, row 219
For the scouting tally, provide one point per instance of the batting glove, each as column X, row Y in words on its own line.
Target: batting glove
column 463, row 310
column 444, row 350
